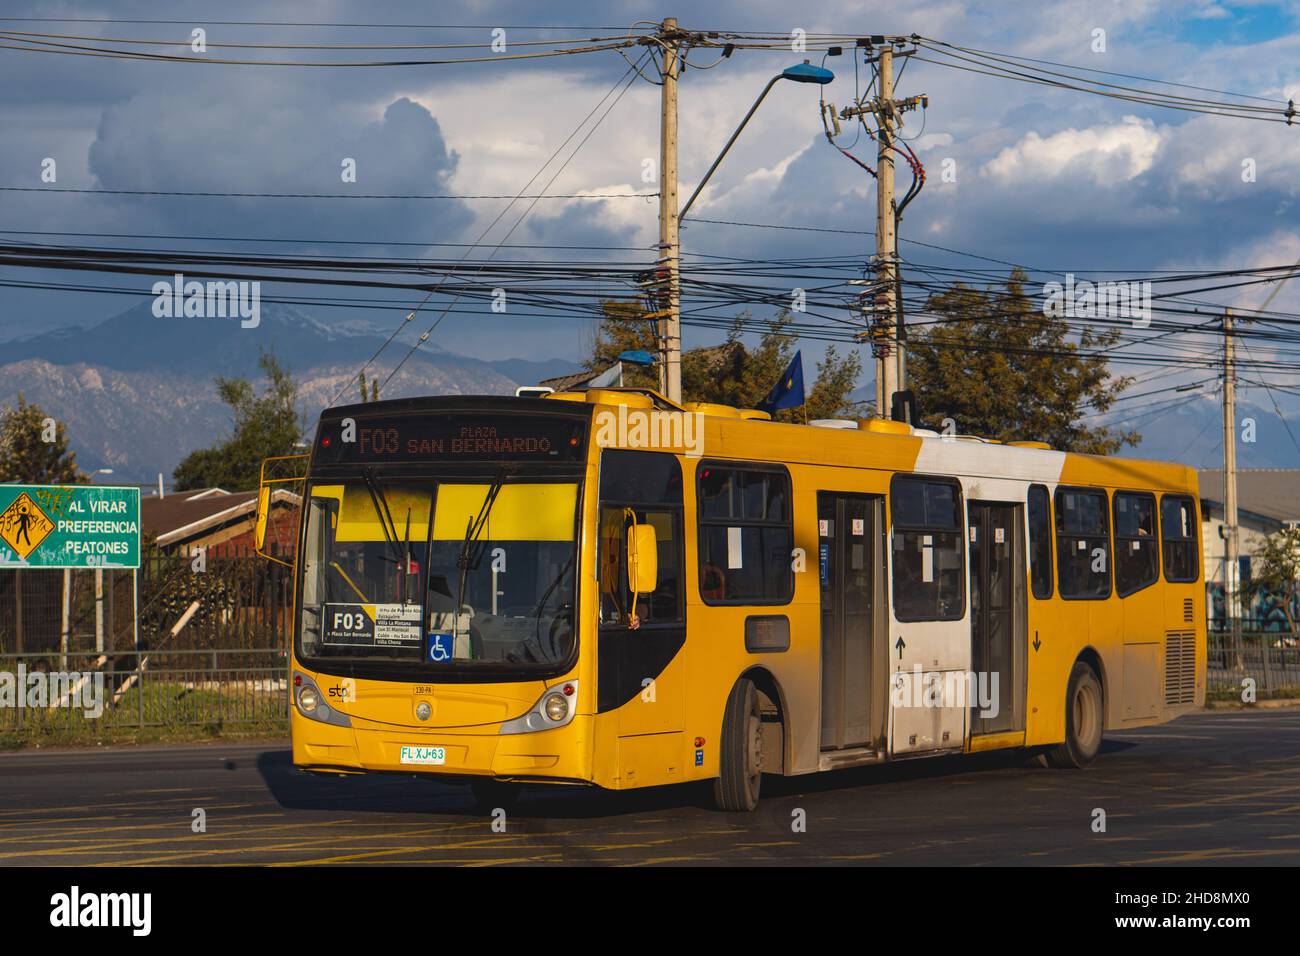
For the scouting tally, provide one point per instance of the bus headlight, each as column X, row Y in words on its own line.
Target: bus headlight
column 311, row 704
column 556, row 707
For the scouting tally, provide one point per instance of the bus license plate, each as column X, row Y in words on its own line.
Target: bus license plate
column 424, row 755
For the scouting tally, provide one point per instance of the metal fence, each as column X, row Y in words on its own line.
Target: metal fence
column 92, row 695
column 244, row 602
column 1270, row 658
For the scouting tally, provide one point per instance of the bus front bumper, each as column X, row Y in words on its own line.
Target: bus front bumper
column 557, row 755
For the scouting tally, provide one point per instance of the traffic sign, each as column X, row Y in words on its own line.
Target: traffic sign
column 69, row 526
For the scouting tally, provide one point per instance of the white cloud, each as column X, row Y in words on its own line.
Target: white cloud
column 931, row 140
column 1106, row 153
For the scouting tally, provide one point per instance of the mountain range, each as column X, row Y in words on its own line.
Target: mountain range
column 136, row 392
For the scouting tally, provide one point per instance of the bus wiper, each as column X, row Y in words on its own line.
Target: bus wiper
column 380, row 502
column 546, row 596
column 470, row 556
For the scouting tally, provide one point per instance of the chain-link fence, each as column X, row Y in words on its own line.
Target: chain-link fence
column 95, row 695
column 244, row 602
column 207, row 651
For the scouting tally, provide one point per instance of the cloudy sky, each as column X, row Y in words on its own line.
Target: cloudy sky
column 1051, row 178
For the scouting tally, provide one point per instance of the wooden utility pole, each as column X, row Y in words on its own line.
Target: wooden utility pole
column 670, row 327
column 1231, row 539
column 99, row 610
column 884, row 315
column 889, row 368
column 66, row 621
column 18, row 611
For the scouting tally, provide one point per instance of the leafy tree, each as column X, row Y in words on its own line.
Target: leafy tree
column 731, row 373
column 1002, row 369
column 373, row 394
column 1275, row 574
column 34, row 447
column 266, row 425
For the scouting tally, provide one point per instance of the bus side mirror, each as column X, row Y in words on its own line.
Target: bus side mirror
column 642, row 558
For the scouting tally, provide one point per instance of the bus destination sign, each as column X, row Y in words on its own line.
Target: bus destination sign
column 451, row 438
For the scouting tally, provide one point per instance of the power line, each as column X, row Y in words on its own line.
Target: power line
column 1001, row 66
column 308, row 23
column 237, row 195
column 316, row 241
column 1127, row 76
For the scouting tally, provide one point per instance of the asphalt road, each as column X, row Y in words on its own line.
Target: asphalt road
column 1219, row 787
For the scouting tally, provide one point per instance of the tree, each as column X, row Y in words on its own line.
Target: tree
column 1000, row 368
column 265, row 426
column 731, row 373
column 34, row 448
column 1275, row 575
column 373, row 394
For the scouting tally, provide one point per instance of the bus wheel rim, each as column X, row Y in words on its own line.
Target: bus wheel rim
column 754, row 749
column 1085, row 714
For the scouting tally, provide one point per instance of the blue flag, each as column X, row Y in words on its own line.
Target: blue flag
column 788, row 392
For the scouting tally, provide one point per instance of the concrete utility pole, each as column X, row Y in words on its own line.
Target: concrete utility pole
column 889, row 369
column 886, row 333
column 1231, row 540
column 670, row 327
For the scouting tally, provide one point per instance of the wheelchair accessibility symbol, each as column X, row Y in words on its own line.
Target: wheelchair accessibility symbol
column 440, row 646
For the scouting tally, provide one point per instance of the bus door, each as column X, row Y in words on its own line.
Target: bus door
column 997, row 614
column 640, row 648
column 849, row 551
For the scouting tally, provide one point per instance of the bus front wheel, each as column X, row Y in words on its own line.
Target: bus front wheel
column 740, row 753
column 1084, row 720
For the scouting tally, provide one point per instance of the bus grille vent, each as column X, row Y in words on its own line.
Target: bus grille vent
column 1180, row 668
column 1187, row 610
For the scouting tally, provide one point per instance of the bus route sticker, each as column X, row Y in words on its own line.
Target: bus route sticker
column 382, row 625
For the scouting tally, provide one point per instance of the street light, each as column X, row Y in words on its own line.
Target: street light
column 101, row 471
column 637, row 357
column 803, row 72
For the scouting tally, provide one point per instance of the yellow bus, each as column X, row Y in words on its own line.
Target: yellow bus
column 608, row 589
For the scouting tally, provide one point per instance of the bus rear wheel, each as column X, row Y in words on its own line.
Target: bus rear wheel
column 741, row 751
column 1084, row 720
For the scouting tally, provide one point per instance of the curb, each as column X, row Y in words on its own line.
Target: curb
column 1273, row 703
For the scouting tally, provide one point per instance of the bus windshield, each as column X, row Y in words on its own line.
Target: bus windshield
column 440, row 574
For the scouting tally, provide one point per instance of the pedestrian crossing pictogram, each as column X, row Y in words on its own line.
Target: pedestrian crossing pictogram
column 23, row 525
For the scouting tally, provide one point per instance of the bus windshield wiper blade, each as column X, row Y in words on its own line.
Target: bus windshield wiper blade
column 380, row 502
column 468, row 557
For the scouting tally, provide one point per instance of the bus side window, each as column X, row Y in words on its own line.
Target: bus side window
column 1083, row 543
column 927, row 545
column 1178, row 535
column 746, row 534
column 1040, row 542
column 649, row 486
column 1136, row 554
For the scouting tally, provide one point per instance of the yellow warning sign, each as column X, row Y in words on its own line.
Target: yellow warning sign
column 23, row 525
